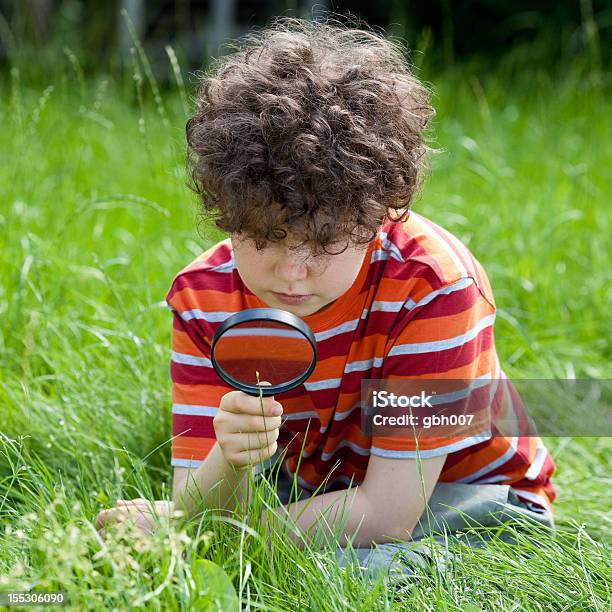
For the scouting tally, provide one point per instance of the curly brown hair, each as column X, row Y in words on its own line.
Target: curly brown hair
column 309, row 128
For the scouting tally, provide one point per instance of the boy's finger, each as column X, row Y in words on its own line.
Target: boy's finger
column 105, row 516
column 241, row 403
column 257, row 455
column 255, row 439
column 113, row 515
column 139, row 501
column 256, row 424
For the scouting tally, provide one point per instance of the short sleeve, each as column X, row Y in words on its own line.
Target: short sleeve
column 445, row 339
column 196, row 388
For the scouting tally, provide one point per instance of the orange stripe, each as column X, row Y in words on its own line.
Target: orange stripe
column 474, row 462
column 461, row 251
column 198, row 395
column 431, row 243
column 372, row 345
column 214, row 300
column 449, row 326
column 182, row 343
column 393, row 289
column 328, row 368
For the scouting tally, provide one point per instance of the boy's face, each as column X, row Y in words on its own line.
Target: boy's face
column 293, row 279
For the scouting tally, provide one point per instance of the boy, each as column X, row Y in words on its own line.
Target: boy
column 307, row 148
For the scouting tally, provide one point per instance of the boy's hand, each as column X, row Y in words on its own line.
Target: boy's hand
column 140, row 511
column 247, row 434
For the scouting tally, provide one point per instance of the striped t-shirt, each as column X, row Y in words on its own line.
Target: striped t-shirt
column 421, row 306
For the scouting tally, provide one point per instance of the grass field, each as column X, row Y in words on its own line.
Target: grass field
column 95, row 220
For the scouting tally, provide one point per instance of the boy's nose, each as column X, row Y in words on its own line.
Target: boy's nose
column 291, row 267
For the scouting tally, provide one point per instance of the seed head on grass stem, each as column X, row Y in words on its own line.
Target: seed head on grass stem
column 262, row 414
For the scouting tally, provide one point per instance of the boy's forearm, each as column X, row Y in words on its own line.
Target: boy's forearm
column 214, row 484
column 350, row 507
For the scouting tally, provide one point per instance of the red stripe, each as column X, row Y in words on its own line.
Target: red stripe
column 420, row 364
column 448, row 304
column 191, row 425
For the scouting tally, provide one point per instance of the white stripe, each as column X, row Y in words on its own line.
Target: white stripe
column 360, row 366
column 510, row 452
column 451, row 252
column 533, row 497
column 213, row 317
column 364, row 313
column 379, row 255
column 191, row 360
column 328, row 383
column 385, row 306
column 536, row 467
column 304, row 484
column 493, row 479
column 339, row 329
column 462, row 283
column 354, row 447
column 264, row 331
column 188, row 463
column 441, row 345
column 387, row 244
column 434, row 452
column 227, row 266
column 340, row 416
column 190, row 409
column 462, row 248
column 294, row 416
column 453, row 396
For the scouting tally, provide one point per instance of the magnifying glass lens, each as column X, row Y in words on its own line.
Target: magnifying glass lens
column 278, row 352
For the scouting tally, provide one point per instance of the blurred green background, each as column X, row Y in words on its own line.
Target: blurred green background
column 34, row 33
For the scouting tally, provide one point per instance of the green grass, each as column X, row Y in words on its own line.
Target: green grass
column 95, row 220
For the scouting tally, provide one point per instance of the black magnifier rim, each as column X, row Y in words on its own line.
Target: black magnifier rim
column 273, row 315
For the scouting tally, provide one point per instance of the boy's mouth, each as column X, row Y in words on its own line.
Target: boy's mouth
column 288, row 298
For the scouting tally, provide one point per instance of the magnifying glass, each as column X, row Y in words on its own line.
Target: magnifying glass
column 269, row 343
